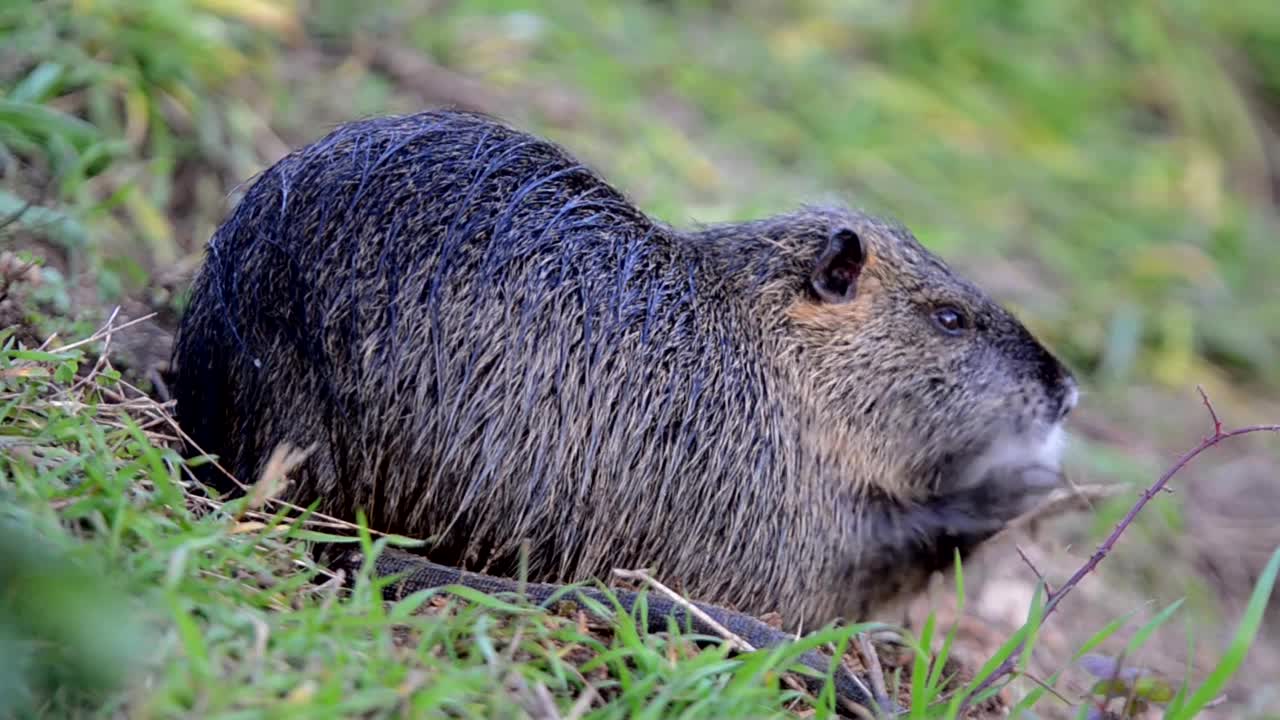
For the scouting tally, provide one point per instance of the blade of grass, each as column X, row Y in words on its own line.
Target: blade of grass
column 920, row 669
column 1140, row 637
column 1246, row 633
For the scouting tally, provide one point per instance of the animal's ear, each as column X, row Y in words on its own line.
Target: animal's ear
column 835, row 278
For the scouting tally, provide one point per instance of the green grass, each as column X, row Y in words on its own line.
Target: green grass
column 1113, row 155
column 220, row 608
column 1104, row 169
column 127, row 576
column 111, row 115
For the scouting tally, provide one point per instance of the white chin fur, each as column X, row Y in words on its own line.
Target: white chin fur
column 1043, row 452
column 1050, row 450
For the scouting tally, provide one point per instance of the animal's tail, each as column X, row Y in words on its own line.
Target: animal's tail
column 418, row 573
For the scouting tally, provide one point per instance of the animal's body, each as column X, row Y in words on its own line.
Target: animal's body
column 491, row 346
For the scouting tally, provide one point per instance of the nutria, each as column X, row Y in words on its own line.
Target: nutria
column 490, row 346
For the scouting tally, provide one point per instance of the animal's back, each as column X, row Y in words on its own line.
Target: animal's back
column 488, row 342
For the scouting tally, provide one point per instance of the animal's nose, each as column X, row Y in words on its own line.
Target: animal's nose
column 1068, row 397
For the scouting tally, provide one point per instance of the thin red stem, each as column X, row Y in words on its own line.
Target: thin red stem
column 1217, row 424
column 1047, row 588
column 1149, row 493
column 1053, row 598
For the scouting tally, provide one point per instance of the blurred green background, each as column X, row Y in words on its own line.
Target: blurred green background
column 1109, row 170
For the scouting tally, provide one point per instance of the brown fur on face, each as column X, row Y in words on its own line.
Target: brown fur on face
column 490, row 345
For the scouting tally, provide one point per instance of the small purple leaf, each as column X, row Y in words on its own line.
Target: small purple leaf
column 1133, row 673
column 1099, row 666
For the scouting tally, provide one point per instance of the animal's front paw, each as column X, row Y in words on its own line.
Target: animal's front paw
column 1015, row 493
column 986, row 508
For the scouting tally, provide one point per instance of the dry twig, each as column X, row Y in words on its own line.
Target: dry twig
column 874, row 668
column 1034, row 569
column 641, row 576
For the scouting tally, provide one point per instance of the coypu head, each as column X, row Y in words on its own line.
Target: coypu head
column 937, row 385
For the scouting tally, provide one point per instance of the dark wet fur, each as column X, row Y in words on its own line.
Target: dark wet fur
column 491, row 345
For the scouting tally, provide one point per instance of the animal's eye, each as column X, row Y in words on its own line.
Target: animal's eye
column 950, row 320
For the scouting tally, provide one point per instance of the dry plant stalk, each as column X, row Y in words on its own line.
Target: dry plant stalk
column 874, row 669
column 641, row 576
column 123, row 399
column 1059, row 502
column 734, row 640
column 274, row 477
